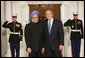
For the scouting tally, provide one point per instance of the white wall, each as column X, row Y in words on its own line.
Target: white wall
column 22, row 10
column 3, row 32
column 81, row 16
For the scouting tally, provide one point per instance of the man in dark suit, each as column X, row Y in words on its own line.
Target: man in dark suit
column 53, row 35
column 34, row 36
column 76, row 34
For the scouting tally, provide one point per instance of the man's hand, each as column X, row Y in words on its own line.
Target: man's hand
column 60, row 47
column 6, row 21
column 43, row 50
column 29, row 50
column 21, row 37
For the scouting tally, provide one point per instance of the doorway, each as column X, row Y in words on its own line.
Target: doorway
column 43, row 7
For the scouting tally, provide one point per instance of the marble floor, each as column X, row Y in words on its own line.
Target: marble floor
column 23, row 52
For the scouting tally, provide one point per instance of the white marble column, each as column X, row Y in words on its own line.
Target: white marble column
column 8, row 13
column 73, row 8
column 3, row 31
column 81, row 17
column 66, row 31
column 24, row 21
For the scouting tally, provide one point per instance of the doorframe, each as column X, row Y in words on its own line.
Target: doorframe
column 45, row 2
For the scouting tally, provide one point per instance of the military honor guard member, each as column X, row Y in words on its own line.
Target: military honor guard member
column 34, row 36
column 16, row 35
column 76, row 34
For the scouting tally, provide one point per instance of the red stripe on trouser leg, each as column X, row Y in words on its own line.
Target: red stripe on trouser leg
column 61, row 55
column 79, row 54
column 71, row 51
column 72, row 54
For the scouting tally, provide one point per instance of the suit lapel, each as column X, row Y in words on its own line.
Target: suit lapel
column 53, row 25
column 47, row 26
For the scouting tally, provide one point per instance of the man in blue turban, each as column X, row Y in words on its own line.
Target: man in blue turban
column 34, row 16
column 34, row 12
column 34, row 36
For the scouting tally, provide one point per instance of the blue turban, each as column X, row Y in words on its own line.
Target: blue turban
column 34, row 12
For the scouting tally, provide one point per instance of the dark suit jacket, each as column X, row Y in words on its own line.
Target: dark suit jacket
column 34, row 36
column 56, row 37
